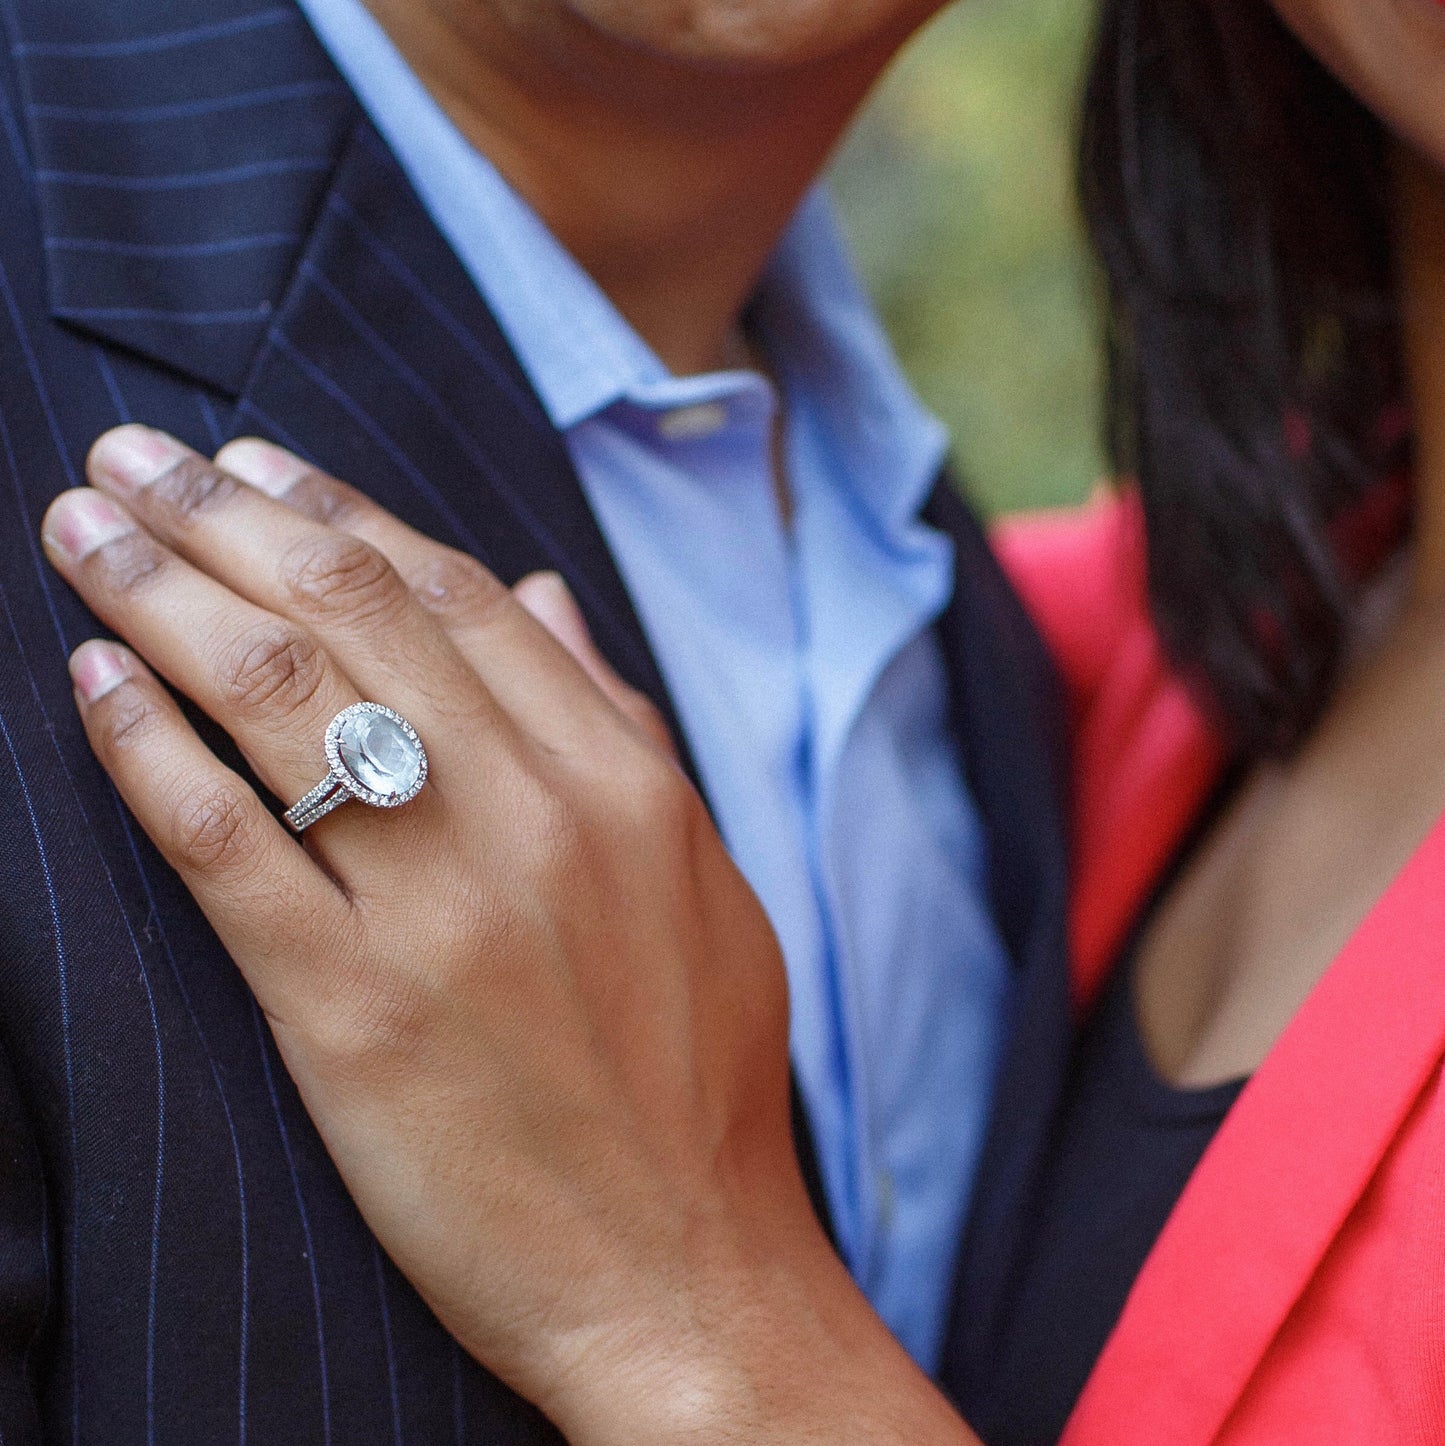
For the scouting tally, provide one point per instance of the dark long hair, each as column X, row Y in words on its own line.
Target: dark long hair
column 1238, row 200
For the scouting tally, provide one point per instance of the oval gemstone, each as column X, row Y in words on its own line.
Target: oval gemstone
column 378, row 754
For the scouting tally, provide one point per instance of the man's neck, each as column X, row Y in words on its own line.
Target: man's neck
column 670, row 184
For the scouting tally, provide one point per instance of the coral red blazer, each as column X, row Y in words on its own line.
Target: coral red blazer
column 1297, row 1293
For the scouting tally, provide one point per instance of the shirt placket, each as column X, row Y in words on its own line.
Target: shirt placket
column 861, row 611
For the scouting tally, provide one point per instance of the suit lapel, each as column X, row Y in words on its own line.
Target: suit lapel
column 1009, row 719
column 384, row 365
column 213, row 200
column 1289, row 1165
column 177, row 169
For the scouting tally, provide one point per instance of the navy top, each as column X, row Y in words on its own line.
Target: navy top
column 1126, row 1145
column 1122, row 1146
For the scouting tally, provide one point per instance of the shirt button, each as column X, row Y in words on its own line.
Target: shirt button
column 692, row 424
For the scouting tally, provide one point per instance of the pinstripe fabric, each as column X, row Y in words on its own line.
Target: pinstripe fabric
column 201, row 231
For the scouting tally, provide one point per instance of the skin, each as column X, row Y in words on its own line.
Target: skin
column 559, row 1094
column 1308, row 847
column 607, row 1188
column 665, row 142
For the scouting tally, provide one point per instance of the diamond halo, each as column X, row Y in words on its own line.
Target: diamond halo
column 348, row 738
column 374, row 756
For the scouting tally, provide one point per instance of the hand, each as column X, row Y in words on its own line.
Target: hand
column 537, row 1015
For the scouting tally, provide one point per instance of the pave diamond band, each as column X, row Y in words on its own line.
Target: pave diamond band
column 374, row 757
column 317, row 804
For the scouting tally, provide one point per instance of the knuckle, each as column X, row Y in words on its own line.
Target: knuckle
column 390, row 1015
column 276, row 668
column 214, row 828
column 458, row 589
column 553, row 813
column 193, row 486
column 382, row 1004
column 338, row 574
column 318, row 497
column 563, row 830
column 130, row 719
column 549, row 829
column 130, row 562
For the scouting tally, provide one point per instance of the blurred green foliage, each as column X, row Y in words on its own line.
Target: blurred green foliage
column 957, row 190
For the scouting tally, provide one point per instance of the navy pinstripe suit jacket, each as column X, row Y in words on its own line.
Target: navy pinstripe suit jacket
column 201, row 230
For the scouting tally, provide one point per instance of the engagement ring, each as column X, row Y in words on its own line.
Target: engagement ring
column 375, row 758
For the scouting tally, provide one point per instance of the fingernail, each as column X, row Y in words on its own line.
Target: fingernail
column 80, row 522
column 134, row 456
column 98, row 668
column 267, row 468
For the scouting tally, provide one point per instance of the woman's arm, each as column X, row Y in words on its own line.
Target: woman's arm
column 537, row 1015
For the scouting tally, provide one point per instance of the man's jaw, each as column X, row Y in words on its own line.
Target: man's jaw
column 755, row 37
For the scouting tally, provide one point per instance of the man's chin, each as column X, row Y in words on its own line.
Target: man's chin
column 754, row 35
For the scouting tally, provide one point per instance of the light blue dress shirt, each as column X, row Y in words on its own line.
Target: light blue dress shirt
column 801, row 661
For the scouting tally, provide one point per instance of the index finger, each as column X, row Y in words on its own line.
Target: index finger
column 475, row 608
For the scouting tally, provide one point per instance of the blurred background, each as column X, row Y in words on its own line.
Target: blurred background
column 957, row 190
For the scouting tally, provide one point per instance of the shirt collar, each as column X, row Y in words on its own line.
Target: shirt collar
column 813, row 318
column 573, row 343
column 832, row 355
